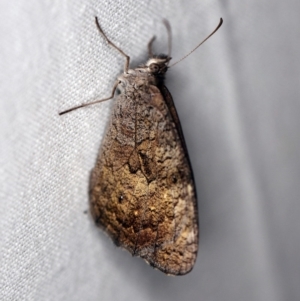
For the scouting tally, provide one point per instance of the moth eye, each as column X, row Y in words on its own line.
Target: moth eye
column 174, row 179
column 154, row 68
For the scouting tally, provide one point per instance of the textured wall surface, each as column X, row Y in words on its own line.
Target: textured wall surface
column 238, row 98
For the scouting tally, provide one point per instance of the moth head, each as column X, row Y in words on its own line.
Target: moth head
column 158, row 65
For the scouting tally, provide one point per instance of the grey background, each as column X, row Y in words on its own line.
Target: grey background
column 238, row 100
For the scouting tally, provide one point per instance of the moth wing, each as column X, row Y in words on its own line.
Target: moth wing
column 142, row 190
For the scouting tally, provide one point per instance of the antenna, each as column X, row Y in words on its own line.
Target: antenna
column 169, row 31
column 219, row 25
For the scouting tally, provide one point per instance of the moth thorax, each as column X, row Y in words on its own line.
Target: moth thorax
column 134, row 80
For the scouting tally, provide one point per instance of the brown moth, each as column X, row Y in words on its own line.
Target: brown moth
column 142, row 190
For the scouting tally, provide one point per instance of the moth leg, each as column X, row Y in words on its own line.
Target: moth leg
column 93, row 102
column 150, row 52
column 113, row 45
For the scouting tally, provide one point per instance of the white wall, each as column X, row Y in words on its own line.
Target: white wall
column 238, row 97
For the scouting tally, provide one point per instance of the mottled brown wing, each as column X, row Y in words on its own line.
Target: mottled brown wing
column 142, row 191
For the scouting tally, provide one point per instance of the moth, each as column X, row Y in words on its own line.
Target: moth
column 142, row 190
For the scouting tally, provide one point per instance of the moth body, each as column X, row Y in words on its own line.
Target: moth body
column 142, row 191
